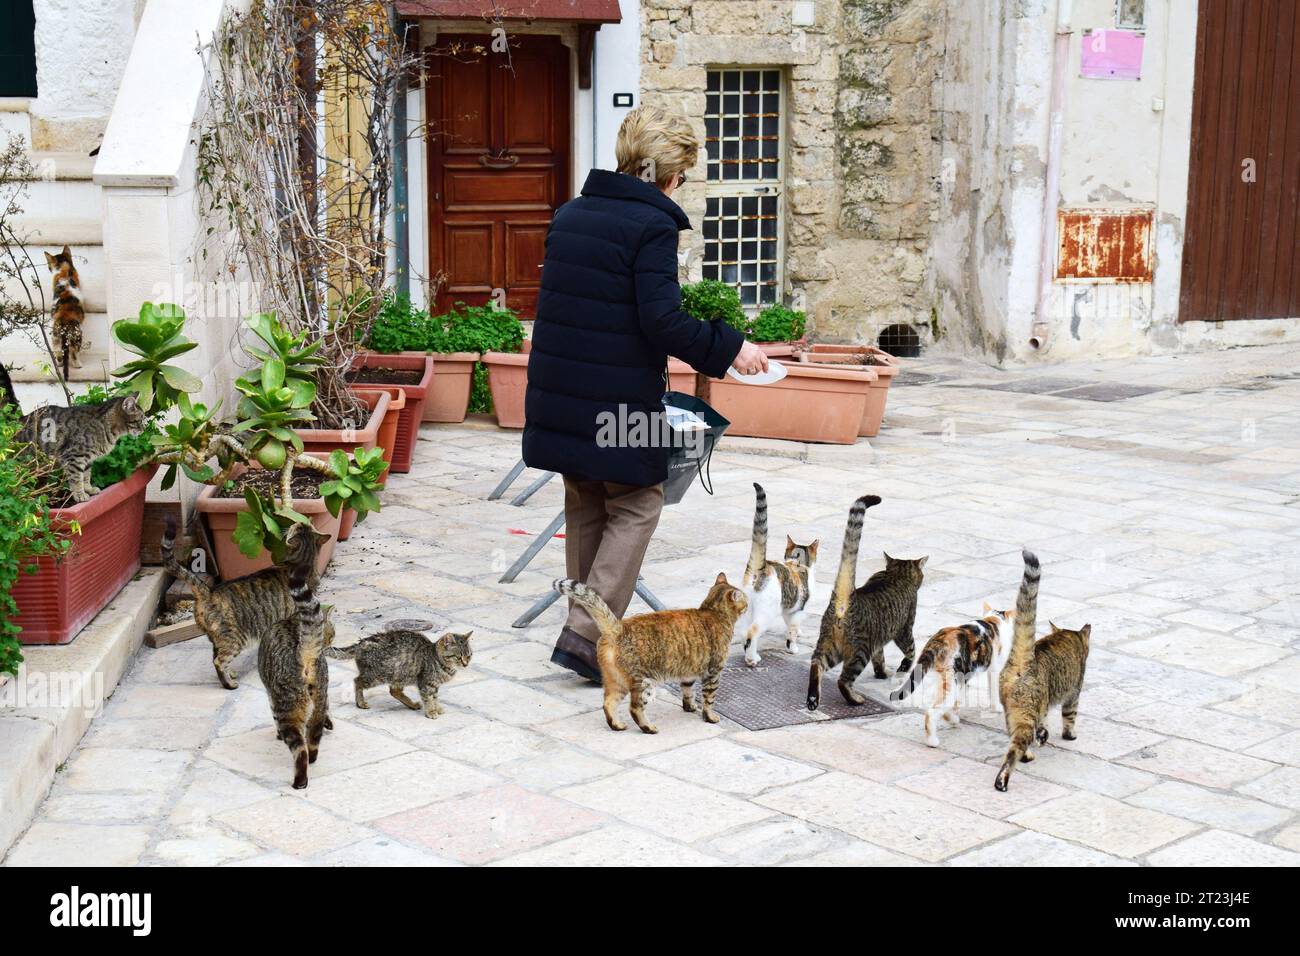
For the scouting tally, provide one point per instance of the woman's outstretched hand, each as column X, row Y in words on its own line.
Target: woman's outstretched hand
column 751, row 360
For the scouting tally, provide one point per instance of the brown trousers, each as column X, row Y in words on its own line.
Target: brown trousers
column 607, row 530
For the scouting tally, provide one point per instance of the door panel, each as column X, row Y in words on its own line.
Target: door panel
column 1240, row 254
column 498, row 165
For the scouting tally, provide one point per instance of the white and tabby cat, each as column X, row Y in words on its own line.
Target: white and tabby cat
column 777, row 590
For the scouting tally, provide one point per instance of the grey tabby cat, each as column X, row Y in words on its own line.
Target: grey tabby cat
column 400, row 658
column 235, row 614
column 859, row 622
column 291, row 662
column 76, row 436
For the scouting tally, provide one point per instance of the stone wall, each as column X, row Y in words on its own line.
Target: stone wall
column 861, row 165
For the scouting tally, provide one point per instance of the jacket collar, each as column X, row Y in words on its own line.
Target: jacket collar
column 611, row 185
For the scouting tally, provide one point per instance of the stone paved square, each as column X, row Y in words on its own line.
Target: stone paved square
column 1189, row 727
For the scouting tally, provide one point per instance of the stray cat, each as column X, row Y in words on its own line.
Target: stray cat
column 400, row 658
column 235, row 614
column 68, row 315
column 955, row 655
column 7, row 394
column 291, row 662
column 75, row 436
column 859, row 622
column 776, row 590
column 1039, row 675
column 685, row 646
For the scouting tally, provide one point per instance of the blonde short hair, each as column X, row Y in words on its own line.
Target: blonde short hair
column 655, row 145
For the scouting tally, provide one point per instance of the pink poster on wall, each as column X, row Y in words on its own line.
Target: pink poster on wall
column 1111, row 54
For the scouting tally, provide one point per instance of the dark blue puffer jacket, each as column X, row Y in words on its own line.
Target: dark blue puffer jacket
column 608, row 316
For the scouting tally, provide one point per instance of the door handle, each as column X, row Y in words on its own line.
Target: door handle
column 504, row 161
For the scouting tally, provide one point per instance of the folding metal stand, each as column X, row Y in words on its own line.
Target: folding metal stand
column 535, row 547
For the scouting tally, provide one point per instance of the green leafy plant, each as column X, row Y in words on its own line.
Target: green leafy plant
column 476, row 328
column 126, row 457
column 25, row 529
column 398, row 327
column 156, row 337
column 777, row 323
column 709, row 300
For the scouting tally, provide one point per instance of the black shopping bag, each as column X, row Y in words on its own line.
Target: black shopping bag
column 691, row 458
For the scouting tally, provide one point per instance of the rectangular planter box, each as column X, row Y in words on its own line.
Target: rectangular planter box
column 328, row 439
column 885, row 367
column 388, row 427
column 417, row 396
column 62, row 597
column 222, row 513
column 810, row 404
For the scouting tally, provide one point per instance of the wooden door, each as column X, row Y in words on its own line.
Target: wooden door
column 1240, row 252
column 498, row 165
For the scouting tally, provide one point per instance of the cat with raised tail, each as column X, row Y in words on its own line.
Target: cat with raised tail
column 1038, row 675
column 684, row 645
column 859, row 622
column 777, row 590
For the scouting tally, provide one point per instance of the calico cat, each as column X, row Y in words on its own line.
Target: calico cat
column 776, row 590
column 686, row 646
column 235, row 614
column 955, row 655
column 68, row 314
column 859, row 622
column 1039, row 675
column 75, row 436
column 400, row 658
column 291, row 662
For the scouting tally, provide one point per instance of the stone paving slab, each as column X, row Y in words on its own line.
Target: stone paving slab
column 1166, row 520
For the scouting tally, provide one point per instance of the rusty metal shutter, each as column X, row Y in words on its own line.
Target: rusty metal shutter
column 1240, row 256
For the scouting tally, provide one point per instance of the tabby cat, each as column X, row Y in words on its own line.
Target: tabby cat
column 7, row 394
column 235, row 614
column 1039, row 675
column 776, row 590
column 68, row 315
column 955, row 655
column 859, row 622
column 291, row 662
column 399, row 658
column 685, row 646
column 75, row 436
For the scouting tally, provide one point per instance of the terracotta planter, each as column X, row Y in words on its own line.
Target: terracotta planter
column 62, row 597
column 681, row 377
column 812, row 403
column 417, row 398
column 883, row 364
column 222, row 513
column 448, row 396
column 778, row 350
column 389, row 428
column 349, row 440
column 508, row 379
column 880, row 355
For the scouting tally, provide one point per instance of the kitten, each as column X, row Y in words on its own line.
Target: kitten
column 1039, row 675
column 685, row 646
column 75, row 436
column 68, row 315
column 400, row 658
column 858, row 623
column 776, row 590
column 235, row 614
column 955, row 655
column 291, row 662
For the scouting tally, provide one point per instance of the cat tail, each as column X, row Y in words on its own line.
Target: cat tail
column 609, row 625
column 758, row 543
column 849, row 554
column 174, row 567
column 342, row 653
column 7, row 394
column 909, row 686
column 1022, row 641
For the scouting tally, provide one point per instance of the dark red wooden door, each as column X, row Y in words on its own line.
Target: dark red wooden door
column 1240, row 254
column 498, row 165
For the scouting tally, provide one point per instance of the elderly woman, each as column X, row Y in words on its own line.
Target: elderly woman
column 608, row 316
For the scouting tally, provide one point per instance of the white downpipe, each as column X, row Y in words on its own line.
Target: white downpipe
column 1052, row 185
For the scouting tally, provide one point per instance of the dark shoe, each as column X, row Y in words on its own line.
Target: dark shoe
column 575, row 652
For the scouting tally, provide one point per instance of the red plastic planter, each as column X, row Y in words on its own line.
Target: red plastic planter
column 62, row 597
column 408, row 423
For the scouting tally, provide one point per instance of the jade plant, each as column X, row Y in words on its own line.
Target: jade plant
column 276, row 395
column 156, row 337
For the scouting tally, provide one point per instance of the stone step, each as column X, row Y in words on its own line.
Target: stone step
column 55, row 200
column 27, row 361
column 55, row 231
column 62, row 166
column 14, row 121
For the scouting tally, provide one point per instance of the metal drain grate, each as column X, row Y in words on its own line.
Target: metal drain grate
column 775, row 693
